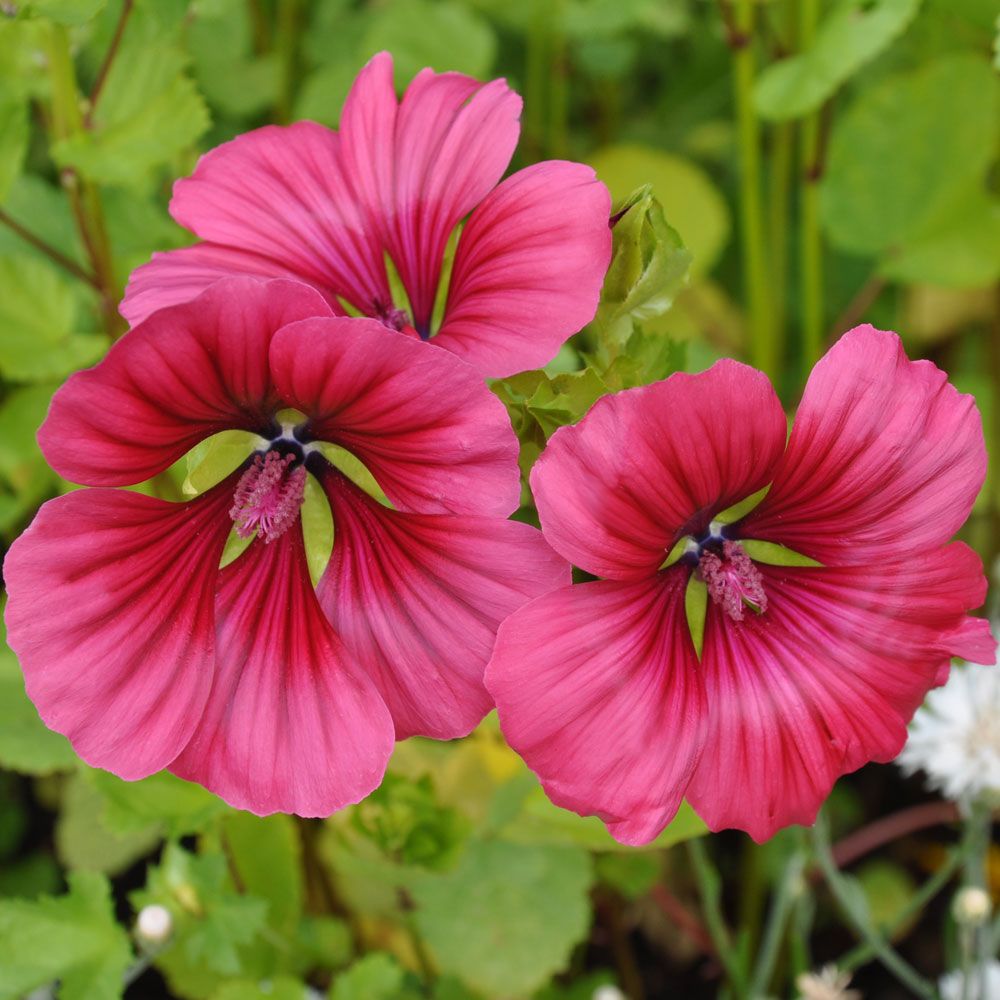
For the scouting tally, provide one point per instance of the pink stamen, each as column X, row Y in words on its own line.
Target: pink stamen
column 268, row 496
column 732, row 580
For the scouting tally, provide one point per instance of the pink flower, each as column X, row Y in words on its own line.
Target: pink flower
column 305, row 202
column 807, row 672
column 146, row 655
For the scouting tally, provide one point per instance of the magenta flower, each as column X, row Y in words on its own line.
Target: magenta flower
column 146, row 655
column 306, row 202
column 807, row 672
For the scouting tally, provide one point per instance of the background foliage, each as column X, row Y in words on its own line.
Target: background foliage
column 789, row 168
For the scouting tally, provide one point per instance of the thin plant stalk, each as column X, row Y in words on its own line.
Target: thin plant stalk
column 855, row 909
column 756, row 277
column 790, row 885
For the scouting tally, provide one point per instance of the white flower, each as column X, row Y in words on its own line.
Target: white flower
column 827, row 984
column 984, row 983
column 955, row 737
column 154, row 924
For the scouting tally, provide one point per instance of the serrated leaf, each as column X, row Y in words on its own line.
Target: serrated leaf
column 506, row 919
column 265, row 853
column 72, row 938
column 443, row 35
column 649, row 265
column 686, row 192
column 908, row 151
column 83, row 841
column 38, row 313
column 181, row 807
column 26, row 745
column 852, row 34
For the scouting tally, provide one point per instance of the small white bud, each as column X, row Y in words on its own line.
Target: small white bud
column 972, row 906
column 608, row 993
column 154, row 925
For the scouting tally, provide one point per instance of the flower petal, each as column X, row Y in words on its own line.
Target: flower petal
column 529, row 268
column 646, row 466
column 884, row 455
column 598, row 690
column 436, row 439
column 418, row 598
column 184, row 374
column 284, row 193
column 292, row 724
column 178, row 276
column 825, row 680
column 111, row 614
column 418, row 167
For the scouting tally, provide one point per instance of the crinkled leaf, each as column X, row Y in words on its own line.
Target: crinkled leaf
column 649, row 356
column 444, row 35
column 852, row 34
column 38, row 315
column 181, row 806
column 548, row 401
column 72, row 938
column 649, row 266
column 26, row 745
column 687, row 194
column 506, row 919
column 907, row 151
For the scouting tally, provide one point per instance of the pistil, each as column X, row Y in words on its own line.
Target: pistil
column 732, row 579
column 268, row 496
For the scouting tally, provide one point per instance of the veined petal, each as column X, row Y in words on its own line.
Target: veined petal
column 648, row 465
column 598, row 689
column 884, row 457
column 177, row 276
column 184, row 374
column 825, row 680
column 436, row 439
column 111, row 614
column 529, row 268
column 418, row 598
column 292, row 724
column 419, row 166
column 284, row 193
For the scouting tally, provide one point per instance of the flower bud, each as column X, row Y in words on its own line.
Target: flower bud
column 608, row 993
column 971, row 906
column 154, row 924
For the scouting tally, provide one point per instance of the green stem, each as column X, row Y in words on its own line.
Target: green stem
column 779, row 189
column 756, row 280
column 789, row 887
column 557, row 146
column 85, row 200
column 710, row 890
column 810, row 237
column 536, row 83
column 855, row 909
column 286, row 43
column 975, row 943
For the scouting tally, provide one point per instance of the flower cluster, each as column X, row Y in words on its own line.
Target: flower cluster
column 150, row 646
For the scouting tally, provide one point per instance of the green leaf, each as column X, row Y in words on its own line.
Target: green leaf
column 443, row 35
column 375, row 977
column 649, row 266
column 852, row 34
column 42, row 208
column 148, row 111
column 907, row 151
column 84, row 842
column 962, row 251
column 689, row 197
column 265, row 854
column 632, row 874
column 25, row 743
column 774, row 554
column 506, row 919
column 72, row 938
column 279, row 988
column 66, row 11
column 38, row 313
column 181, row 807
column 13, row 141
column 889, row 888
